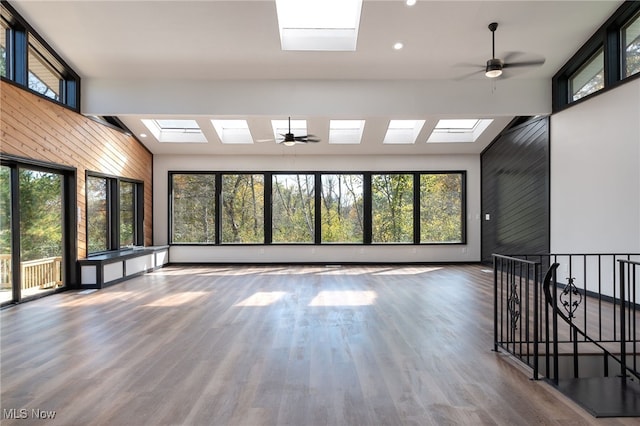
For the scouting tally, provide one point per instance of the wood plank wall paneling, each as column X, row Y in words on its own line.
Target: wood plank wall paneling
column 38, row 129
column 515, row 191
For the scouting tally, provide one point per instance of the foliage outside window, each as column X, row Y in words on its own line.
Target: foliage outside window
column 40, row 215
column 97, row 214
column 3, row 48
column 293, row 208
column 441, row 208
column 392, row 208
column 127, row 214
column 631, row 46
column 590, row 78
column 114, row 213
column 342, row 202
column 242, row 208
column 193, row 208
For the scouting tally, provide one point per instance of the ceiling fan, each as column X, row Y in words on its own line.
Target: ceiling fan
column 289, row 139
column 496, row 65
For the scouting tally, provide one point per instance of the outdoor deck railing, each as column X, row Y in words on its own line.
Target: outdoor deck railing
column 39, row 273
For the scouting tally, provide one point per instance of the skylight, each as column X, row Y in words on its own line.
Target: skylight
column 403, row 131
column 458, row 130
column 330, row 25
column 233, row 131
column 175, row 131
column 345, row 131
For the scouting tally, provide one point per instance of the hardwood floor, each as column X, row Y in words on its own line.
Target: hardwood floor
column 302, row 345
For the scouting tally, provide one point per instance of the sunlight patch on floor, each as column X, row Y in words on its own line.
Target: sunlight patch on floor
column 344, row 298
column 262, row 298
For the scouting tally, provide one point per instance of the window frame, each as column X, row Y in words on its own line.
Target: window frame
column 609, row 38
column 17, row 63
column 113, row 212
column 317, row 238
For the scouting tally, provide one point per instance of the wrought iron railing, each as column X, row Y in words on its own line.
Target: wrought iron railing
column 593, row 297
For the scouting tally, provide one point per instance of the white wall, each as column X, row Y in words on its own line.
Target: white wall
column 470, row 252
column 595, row 174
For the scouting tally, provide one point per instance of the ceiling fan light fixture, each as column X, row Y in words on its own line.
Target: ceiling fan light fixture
column 494, row 68
column 289, row 143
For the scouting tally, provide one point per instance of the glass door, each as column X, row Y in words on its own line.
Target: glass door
column 41, row 231
column 32, row 224
column 6, row 276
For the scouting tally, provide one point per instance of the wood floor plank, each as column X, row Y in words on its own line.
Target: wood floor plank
column 299, row 345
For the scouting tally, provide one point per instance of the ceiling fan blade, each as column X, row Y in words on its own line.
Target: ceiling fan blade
column 471, row 74
column 524, row 64
column 510, row 56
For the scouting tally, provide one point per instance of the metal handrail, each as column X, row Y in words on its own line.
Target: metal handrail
column 551, row 300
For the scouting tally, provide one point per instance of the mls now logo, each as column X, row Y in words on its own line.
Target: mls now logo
column 23, row 413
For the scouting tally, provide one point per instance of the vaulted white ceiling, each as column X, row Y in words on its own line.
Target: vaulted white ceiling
column 209, row 59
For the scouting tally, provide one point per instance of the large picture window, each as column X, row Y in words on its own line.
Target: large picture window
column 293, row 207
column 193, row 208
column 316, row 208
column 114, row 213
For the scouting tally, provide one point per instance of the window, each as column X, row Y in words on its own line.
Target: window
column 193, row 208
column 631, row 47
column 97, row 214
column 127, row 214
column 4, row 29
column 44, row 76
column 392, row 208
column 590, row 78
column 28, row 61
column 342, row 202
column 114, row 213
column 293, row 208
column 441, row 208
column 242, row 208
column 315, row 208
column 609, row 58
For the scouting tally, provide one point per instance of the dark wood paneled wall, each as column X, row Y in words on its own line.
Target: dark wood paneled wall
column 35, row 128
column 515, row 191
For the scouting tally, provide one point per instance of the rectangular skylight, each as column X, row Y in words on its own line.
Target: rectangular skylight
column 403, row 131
column 175, row 131
column 330, row 25
column 233, row 131
column 345, row 131
column 458, row 130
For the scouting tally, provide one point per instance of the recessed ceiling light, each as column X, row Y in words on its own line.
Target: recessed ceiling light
column 410, row 2
column 398, row 46
column 143, row 135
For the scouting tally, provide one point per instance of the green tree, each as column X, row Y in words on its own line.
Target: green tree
column 193, row 208
column 243, row 208
column 293, row 208
column 392, row 208
column 441, row 208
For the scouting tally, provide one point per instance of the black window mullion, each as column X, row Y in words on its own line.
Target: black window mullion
column 612, row 57
column 219, row 199
column 366, row 207
column 268, row 208
column 114, row 214
column 416, row 208
column 317, row 239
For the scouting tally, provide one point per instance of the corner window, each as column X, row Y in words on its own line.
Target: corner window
column 631, row 47
column 114, row 213
column 588, row 79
